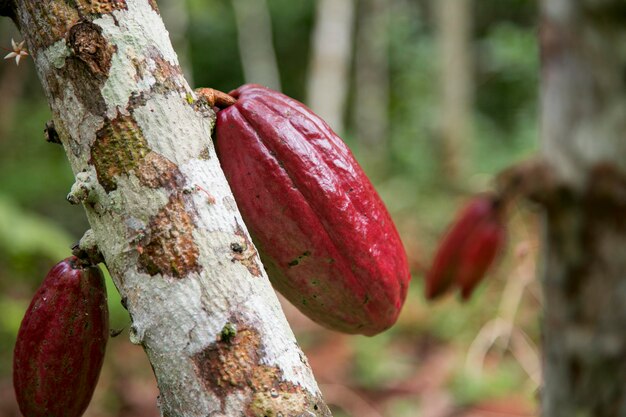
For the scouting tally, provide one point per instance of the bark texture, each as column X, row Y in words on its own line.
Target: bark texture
column 583, row 128
column 162, row 213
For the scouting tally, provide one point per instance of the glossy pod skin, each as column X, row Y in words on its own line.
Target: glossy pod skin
column 324, row 235
column 61, row 342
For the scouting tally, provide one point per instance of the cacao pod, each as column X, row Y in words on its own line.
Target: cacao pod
column 478, row 254
column 469, row 247
column 323, row 233
column 61, row 342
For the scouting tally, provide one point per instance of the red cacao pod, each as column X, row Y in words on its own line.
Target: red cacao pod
column 478, row 254
column 61, row 342
column 323, row 233
column 468, row 248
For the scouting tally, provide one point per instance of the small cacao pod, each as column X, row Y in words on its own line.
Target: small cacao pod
column 323, row 233
column 469, row 247
column 61, row 342
column 478, row 254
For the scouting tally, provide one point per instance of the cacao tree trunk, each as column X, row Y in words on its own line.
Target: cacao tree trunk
column 584, row 278
column 162, row 213
column 329, row 68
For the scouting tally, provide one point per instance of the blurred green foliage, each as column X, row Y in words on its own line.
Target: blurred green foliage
column 37, row 226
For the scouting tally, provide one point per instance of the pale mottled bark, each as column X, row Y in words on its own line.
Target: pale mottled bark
column 584, row 277
column 162, row 213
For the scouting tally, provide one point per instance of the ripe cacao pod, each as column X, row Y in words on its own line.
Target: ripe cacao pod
column 323, row 233
column 61, row 342
column 469, row 247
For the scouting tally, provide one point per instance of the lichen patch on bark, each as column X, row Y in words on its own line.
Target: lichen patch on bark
column 234, row 365
column 119, row 148
column 101, row 6
column 51, row 23
column 171, row 250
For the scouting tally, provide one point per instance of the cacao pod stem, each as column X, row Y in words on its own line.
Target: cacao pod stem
column 216, row 98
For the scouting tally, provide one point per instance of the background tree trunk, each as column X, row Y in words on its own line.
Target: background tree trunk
column 328, row 80
column 162, row 213
column 455, row 48
column 254, row 31
column 583, row 127
column 371, row 103
column 175, row 14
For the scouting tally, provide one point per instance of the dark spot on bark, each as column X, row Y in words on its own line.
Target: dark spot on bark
column 137, row 100
column 248, row 257
column 171, row 249
column 236, row 247
column 295, row 262
column 205, row 154
column 89, row 46
column 51, row 134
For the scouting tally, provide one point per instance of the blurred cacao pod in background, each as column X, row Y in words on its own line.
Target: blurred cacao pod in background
column 469, row 247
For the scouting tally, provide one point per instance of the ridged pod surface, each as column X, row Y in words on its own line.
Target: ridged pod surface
column 324, row 235
column 61, row 342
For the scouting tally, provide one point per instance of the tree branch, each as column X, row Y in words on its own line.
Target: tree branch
column 140, row 147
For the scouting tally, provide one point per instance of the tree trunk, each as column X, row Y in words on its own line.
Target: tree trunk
column 330, row 61
column 254, row 31
column 162, row 213
column 584, row 278
column 454, row 33
column 371, row 103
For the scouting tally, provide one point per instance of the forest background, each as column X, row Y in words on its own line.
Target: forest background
column 433, row 97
